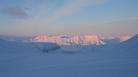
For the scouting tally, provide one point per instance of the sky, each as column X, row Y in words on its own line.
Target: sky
column 98, row 17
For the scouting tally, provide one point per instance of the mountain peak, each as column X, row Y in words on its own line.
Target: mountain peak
column 125, row 38
column 132, row 41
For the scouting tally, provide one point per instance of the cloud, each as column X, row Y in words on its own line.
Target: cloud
column 72, row 7
column 15, row 11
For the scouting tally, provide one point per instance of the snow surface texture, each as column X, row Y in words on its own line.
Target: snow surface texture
column 28, row 60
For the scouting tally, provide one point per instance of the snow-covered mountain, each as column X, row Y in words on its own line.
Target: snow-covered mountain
column 70, row 40
column 15, row 38
column 79, row 39
column 132, row 41
column 131, row 44
column 116, row 40
column 27, row 60
column 24, row 47
column 125, row 37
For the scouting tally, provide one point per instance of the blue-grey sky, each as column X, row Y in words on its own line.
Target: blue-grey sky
column 100, row 17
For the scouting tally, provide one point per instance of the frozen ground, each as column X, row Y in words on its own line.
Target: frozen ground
column 25, row 60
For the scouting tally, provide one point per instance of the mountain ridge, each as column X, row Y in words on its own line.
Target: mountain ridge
column 79, row 39
column 70, row 40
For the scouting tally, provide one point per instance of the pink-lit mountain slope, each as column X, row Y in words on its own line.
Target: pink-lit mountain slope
column 70, row 40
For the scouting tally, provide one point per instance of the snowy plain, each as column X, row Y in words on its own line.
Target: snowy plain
column 29, row 60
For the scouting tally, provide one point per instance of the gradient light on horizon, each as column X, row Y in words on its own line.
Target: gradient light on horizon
column 101, row 17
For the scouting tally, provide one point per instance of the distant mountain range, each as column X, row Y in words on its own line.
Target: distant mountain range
column 39, row 41
column 78, row 39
